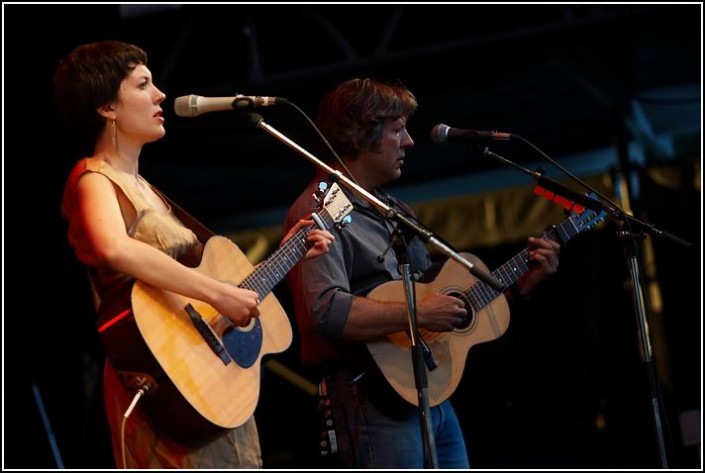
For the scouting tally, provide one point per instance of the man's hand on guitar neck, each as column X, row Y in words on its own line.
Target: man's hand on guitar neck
column 543, row 260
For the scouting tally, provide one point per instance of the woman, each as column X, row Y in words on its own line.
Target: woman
column 123, row 230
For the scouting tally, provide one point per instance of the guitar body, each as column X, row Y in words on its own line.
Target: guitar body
column 197, row 394
column 449, row 349
column 202, row 374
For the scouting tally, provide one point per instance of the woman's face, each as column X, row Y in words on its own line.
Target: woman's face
column 138, row 112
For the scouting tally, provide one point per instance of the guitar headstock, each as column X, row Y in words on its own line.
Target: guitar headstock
column 337, row 205
column 580, row 217
column 584, row 219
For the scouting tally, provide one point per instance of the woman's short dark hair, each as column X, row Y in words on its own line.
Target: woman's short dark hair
column 352, row 115
column 89, row 78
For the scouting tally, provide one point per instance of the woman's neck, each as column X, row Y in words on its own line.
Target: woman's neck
column 122, row 159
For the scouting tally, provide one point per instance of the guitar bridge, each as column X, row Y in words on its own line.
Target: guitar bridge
column 208, row 334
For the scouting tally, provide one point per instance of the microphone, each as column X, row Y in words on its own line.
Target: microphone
column 441, row 133
column 195, row 105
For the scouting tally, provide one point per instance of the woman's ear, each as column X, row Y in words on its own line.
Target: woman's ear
column 107, row 111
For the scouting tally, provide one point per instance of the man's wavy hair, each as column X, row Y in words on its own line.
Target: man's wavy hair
column 352, row 115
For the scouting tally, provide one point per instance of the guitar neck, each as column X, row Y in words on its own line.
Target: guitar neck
column 272, row 270
column 481, row 294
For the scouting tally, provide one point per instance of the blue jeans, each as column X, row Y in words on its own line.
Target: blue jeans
column 376, row 428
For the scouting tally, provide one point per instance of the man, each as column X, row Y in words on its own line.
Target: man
column 365, row 122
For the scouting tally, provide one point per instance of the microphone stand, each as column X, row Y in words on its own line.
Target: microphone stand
column 417, row 342
column 425, row 234
column 634, row 229
column 417, row 353
column 589, row 203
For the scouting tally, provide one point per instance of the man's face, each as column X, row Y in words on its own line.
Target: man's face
column 384, row 163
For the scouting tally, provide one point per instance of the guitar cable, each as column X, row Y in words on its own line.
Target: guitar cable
column 140, row 392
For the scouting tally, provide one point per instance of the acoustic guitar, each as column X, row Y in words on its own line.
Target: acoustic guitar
column 488, row 317
column 201, row 374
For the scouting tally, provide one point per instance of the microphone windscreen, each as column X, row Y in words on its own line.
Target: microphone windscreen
column 186, row 106
column 439, row 133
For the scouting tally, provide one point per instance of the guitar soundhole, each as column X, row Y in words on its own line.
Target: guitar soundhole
column 470, row 318
column 244, row 345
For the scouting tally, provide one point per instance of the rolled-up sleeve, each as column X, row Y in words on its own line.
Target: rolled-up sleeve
column 325, row 291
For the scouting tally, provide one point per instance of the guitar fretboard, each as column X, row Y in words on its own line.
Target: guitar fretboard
column 480, row 294
column 272, row 270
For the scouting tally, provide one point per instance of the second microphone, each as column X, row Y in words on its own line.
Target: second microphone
column 441, row 133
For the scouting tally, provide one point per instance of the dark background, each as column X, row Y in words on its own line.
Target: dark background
column 565, row 387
